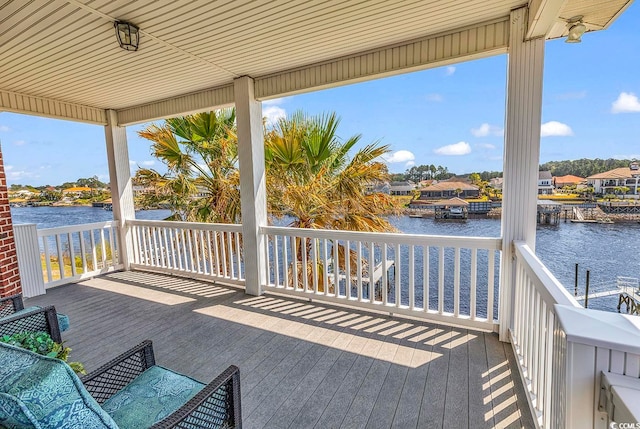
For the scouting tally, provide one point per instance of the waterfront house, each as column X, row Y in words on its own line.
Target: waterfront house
column 545, row 183
column 450, row 189
column 610, row 181
column 560, row 182
column 520, row 352
column 76, row 191
column 402, row 188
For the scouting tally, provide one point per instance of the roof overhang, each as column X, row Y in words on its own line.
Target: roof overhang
column 61, row 59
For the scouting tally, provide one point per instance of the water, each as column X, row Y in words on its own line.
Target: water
column 607, row 250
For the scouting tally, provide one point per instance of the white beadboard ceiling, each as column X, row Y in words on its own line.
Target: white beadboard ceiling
column 66, row 50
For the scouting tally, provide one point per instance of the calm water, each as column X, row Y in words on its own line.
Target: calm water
column 607, row 250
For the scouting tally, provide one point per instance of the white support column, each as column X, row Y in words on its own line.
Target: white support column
column 253, row 193
column 521, row 155
column 121, row 186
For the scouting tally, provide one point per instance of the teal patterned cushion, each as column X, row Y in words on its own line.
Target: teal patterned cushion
column 152, row 396
column 41, row 392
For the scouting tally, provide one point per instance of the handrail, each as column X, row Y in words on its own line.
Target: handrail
column 226, row 227
column 553, row 292
column 75, row 228
column 491, row 243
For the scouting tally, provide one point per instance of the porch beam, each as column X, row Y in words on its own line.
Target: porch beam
column 521, row 155
column 543, row 15
column 121, row 186
column 253, row 193
column 463, row 44
column 41, row 106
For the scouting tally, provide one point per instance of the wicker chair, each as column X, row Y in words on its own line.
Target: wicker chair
column 217, row 405
column 130, row 392
column 15, row 318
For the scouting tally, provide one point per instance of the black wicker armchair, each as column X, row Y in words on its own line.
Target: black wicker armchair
column 217, row 405
column 14, row 318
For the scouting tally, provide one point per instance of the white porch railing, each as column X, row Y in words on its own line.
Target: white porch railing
column 562, row 348
column 76, row 252
column 452, row 279
column 204, row 250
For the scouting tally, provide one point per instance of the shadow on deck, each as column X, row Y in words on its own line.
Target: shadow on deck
column 303, row 365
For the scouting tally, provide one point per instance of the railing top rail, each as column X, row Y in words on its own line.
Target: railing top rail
column 75, row 228
column 491, row 243
column 600, row 328
column 552, row 290
column 225, row 227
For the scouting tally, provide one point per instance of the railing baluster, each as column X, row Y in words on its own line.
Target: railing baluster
column 285, row 262
column 114, row 250
column 441, row 280
column 216, row 252
column 456, row 282
column 276, row 260
column 412, row 296
column 385, row 276
column 239, row 256
column 325, row 267
column 490, row 284
column 223, row 252
column 314, row 262
column 473, row 283
column 294, row 257
column 336, row 268
column 151, row 251
column 47, row 258
column 232, row 271
column 83, row 253
column 372, row 273
column 201, row 252
column 425, row 278
column 305, row 262
column 94, row 253
column 72, row 255
column 359, row 267
column 167, row 248
column 398, row 277
column 347, row 268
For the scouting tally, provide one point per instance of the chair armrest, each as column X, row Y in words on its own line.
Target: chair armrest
column 11, row 304
column 216, row 405
column 117, row 373
column 41, row 319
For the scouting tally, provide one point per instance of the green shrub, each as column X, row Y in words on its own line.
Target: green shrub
column 41, row 343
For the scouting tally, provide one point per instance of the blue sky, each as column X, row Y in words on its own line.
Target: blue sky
column 451, row 116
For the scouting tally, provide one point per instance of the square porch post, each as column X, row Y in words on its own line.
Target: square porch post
column 253, row 194
column 121, row 186
column 521, row 154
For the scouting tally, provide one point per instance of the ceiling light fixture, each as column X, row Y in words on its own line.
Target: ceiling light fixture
column 128, row 35
column 576, row 29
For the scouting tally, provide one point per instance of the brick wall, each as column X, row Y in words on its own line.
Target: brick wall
column 9, row 275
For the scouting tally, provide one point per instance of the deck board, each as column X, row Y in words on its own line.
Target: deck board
column 303, row 365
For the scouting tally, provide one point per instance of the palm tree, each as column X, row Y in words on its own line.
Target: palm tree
column 200, row 152
column 312, row 179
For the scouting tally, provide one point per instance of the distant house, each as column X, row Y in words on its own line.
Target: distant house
column 76, row 190
column 545, row 183
column 401, row 188
column 560, row 182
column 378, row 188
column 605, row 183
column 496, row 182
column 450, row 189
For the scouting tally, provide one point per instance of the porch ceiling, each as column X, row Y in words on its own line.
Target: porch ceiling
column 60, row 58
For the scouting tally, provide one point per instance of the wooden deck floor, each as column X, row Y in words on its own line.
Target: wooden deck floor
column 303, row 365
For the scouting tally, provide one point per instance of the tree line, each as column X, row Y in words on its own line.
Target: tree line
column 583, row 167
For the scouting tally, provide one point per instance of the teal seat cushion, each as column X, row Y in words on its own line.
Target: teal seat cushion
column 63, row 319
column 41, row 392
column 152, row 396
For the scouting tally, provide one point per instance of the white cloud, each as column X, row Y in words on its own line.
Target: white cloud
column 8, row 167
column 627, row 102
column 132, row 162
column 460, row 148
column 449, row 70
column 147, row 163
column 410, row 164
column 399, row 156
column 273, row 113
column 436, row 98
column 486, row 130
column 555, row 128
column 572, row 95
column 487, row 146
column 4, row 128
column 19, row 142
